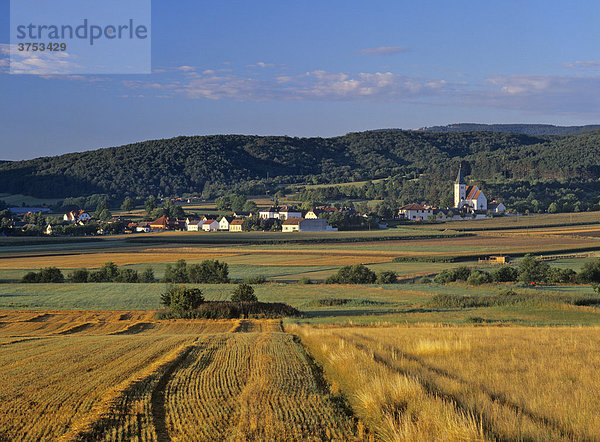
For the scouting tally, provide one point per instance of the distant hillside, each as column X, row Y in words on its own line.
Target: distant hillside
column 214, row 164
column 526, row 129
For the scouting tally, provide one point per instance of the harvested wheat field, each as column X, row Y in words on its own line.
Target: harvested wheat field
column 124, row 375
column 465, row 383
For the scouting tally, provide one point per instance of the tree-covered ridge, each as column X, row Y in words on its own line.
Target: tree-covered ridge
column 211, row 164
column 527, row 129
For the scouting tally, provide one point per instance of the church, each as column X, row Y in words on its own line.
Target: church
column 469, row 197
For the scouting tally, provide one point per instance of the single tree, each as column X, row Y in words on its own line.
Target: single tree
column 128, row 204
column 244, row 293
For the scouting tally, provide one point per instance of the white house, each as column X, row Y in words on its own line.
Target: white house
column 193, row 224
column 224, row 223
column 210, row 225
column 415, row 212
column 281, row 213
column 469, row 196
column 236, row 225
column 495, row 207
column 270, row 213
column 77, row 216
column 287, row 212
column 306, row 225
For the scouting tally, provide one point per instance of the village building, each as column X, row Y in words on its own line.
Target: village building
column 281, row 213
column 77, row 216
column 306, row 225
column 143, row 227
column 224, row 222
column 48, row 230
column 496, row 208
column 468, row 196
column 193, row 224
column 242, row 214
column 415, row 212
column 210, row 225
column 236, row 225
column 161, row 223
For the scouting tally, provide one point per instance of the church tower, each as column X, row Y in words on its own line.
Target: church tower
column 460, row 189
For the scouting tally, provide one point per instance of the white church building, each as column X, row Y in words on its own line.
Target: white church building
column 469, row 196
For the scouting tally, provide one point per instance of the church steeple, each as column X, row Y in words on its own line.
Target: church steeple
column 460, row 179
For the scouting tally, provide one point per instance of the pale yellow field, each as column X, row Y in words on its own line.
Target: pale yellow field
column 126, row 376
column 465, row 383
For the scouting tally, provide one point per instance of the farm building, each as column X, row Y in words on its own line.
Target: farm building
column 224, row 223
column 210, row 225
column 161, row 223
column 236, row 225
column 193, row 224
column 306, row 225
column 415, row 212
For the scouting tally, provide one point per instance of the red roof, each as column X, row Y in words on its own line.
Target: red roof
column 236, row 222
column 163, row 221
column 208, row 221
column 293, row 221
column 413, row 207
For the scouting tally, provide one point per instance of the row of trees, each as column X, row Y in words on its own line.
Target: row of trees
column 180, row 298
column 530, row 270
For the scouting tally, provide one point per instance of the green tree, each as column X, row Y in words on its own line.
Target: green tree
column 505, row 274
column 104, row 215
column 147, row 275
column 181, row 298
column 250, row 206
column 177, row 273
column 128, row 204
column 244, row 293
column 532, row 270
column 209, row 271
column 150, row 204
column 590, row 272
column 127, row 275
column 237, row 202
column 79, row 276
column 478, row 277
column 101, row 208
column 355, row 274
column 553, row 208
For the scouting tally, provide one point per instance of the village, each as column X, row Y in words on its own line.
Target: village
column 469, row 203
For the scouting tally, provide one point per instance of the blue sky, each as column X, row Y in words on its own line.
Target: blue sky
column 318, row 68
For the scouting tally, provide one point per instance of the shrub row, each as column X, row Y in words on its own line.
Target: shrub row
column 232, row 310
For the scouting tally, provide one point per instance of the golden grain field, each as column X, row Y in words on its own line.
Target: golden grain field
column 465, row 383
column 126, row 376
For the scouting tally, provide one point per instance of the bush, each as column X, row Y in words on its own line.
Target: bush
column 31, row 277
column 244, row 293
column 209, row 271
column 180, row 298
column 147, row 275
column 260, row 279
column 478, row 277
column 444, row 277
column 305, row 280
column 45, row 275
column 425, row 280
column 387, row 277
column 232, row 310
column 590, row 272
column 504, row 274
column 79, row 276
column 532, row 270
column 356, row 274
column 108, row 273
column 462, row 273
column 560, row 276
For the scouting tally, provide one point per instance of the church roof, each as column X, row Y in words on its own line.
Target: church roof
column 460, row 179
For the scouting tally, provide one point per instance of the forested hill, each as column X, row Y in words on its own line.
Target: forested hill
column 243, row 163
column 526, row 129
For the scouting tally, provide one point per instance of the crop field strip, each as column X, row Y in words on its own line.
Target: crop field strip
column 494, row 383
column 245, row 379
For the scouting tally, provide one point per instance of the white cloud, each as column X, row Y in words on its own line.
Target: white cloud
column 582, row 65
column 383, row 50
